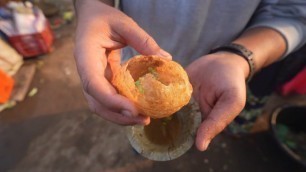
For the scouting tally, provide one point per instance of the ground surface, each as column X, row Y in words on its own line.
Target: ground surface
column 55, row 131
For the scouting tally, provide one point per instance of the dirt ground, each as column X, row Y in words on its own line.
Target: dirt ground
column 55, row 131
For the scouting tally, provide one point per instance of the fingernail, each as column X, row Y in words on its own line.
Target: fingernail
column 141, row 120
column 126, row 113
column 164, row 53
column 205, row 145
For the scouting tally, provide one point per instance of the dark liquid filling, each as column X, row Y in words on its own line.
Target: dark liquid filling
column 164, row 131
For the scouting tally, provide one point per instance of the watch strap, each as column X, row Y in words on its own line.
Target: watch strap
column 241, row 51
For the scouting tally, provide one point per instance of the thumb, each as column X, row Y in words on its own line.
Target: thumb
column 114, row 60
column 225, row 110
column 141, row 41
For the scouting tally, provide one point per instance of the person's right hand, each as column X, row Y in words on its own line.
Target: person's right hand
column 101, row 32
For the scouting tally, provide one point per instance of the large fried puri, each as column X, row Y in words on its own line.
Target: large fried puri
column 157, row 86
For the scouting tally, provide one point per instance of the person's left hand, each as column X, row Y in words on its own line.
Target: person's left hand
column 219, row 87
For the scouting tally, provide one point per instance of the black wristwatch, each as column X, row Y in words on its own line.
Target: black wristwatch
column 241, row 51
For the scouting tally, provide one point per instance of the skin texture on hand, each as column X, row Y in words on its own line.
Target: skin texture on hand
column 219, row 84
column 219, row 88
column 101, row 32
column 218, row 79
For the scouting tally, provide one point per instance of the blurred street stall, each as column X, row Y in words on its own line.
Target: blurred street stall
column 26, row 28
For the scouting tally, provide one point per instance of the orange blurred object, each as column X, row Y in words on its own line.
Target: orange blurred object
column 6, row 86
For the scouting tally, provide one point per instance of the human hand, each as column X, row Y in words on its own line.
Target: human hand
column 101, row 32
column 219, row 87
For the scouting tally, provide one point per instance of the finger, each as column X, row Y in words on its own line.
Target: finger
column 205, row 107
column 141, row 41
column 224, row 111
column 194, row 80
column 91, row 65
column 118, row 118
column 114, row 60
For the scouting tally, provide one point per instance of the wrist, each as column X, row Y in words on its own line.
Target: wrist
column 242, row 52
column 235, row 60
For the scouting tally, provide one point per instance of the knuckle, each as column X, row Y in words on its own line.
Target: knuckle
column 218, row 125
column 236, row 98
column 147, row 40
column 127, row 23
column 149, row 43
column 128, row 20
column 92, row 107
column 86, row 84
column 240, row 104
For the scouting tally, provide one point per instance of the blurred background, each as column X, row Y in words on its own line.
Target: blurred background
column 45, row 124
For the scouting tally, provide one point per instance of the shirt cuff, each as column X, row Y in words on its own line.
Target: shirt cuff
column 291, row 30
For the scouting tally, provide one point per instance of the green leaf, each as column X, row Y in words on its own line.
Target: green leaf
column 153, row 72
column 139, row 86
column 282, row 131
column 291, row 144
column 33, row 92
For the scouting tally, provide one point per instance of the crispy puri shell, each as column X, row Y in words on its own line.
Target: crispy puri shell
column 157, row 86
